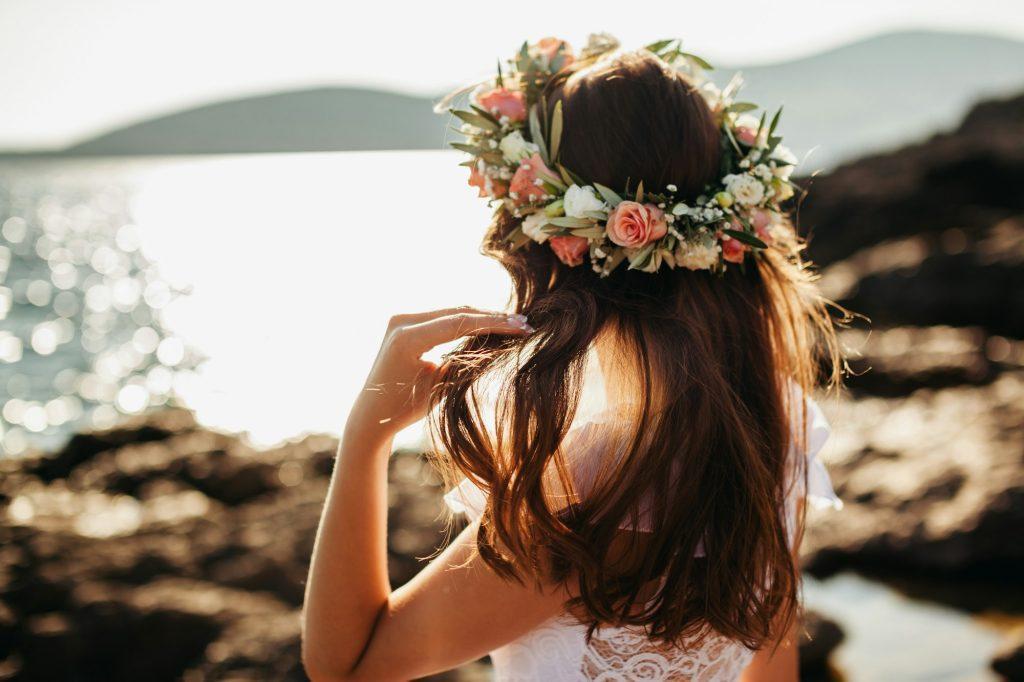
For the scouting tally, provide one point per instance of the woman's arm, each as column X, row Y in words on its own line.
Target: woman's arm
column 457, row 609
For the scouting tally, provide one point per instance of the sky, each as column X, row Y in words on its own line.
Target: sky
column 71, row 69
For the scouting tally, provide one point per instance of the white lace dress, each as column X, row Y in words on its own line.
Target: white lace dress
column 557, row 650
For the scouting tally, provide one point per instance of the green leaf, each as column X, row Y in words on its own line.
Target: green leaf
column 538, row 135
column 742, row 107
column 698, row 61
column 732, row 139
column 523, row 59
column 489, row 155
column 552, row 180
column 556, row 130
column 657, row 47
column 760, row 125
column 517, row 238
column 609, row 195
column 568, row 221
column 596, row 215
column 573, row 178
column 500, row 79
column 566, row 178
column 775, row 121
column 746, row 238
column 641, row 257
column 594, row 232
column 556, row 231
column 475, row 119
column 486, row 114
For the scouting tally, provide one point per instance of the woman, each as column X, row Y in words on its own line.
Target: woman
column 642, row 219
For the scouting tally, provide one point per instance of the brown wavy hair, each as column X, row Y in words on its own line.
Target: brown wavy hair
column 703, row 361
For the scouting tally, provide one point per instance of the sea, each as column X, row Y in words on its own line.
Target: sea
column 255, row 290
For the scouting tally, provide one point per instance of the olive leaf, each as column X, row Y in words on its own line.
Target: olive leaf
column 486, row 114
column 573, row 178
column 568, row 221
column 658, row 46
column 517, row 237
column 640, row 192
column 594, row 232
column 538, row 135
column 746, row 238
column 742, row 107
column 556, row 130
column 700, row 62
column 609, row 195
column 775, row 121
column 475, row 119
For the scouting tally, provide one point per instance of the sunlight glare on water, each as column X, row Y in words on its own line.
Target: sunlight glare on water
column 294, row 264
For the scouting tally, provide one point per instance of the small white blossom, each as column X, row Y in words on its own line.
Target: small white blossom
column 514, row 147
column 581, row 200
column 788, row 158
column 672, row 188
column 762, row 171
column 747, row 190
column 532, row 225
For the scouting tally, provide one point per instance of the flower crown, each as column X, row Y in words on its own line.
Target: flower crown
column 515, row 146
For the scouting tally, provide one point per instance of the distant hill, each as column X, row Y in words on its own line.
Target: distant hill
column 861, row 97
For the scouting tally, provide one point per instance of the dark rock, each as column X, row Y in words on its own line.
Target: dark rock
column 1009, row 659
column 933, row 484
column 819, row 639
column 181, row 554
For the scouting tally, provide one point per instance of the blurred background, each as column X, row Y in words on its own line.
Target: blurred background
column 199, row 204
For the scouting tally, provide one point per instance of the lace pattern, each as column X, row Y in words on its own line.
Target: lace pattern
column 558, row 652
column 626, row 654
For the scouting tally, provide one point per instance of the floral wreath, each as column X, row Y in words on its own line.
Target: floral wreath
column 515, row 146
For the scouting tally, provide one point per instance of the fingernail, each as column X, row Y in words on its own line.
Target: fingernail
column 517, row 320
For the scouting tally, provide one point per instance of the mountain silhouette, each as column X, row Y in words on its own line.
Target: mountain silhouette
column 861, row 97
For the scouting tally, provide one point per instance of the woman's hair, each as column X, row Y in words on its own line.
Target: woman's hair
column 709, row 360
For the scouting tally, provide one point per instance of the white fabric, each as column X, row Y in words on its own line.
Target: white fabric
column 557, row 650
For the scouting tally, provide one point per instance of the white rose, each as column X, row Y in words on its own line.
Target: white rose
column 514, row 147
column 580, row 200
column 532, row 224
column 697, row 256
column 784, row 155
column 748, row 191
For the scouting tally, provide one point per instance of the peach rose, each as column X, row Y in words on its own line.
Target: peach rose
column 504, row 102
column 761, row 219
column 549, row 48
column 631, row 224
column 524, row 182
column 488, row 188
column 570, row 250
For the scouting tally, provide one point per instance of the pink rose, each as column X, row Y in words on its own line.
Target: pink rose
column 524, row 182
column 504, row 102
column 549, row 48
column 570, row 250
column 632, row 224
column 493, row 188
column 745, row 135
column 762, row 219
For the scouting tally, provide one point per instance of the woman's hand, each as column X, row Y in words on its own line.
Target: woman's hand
column 396, row 391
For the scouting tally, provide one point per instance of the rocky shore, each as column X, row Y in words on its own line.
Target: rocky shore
column 163, row 550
